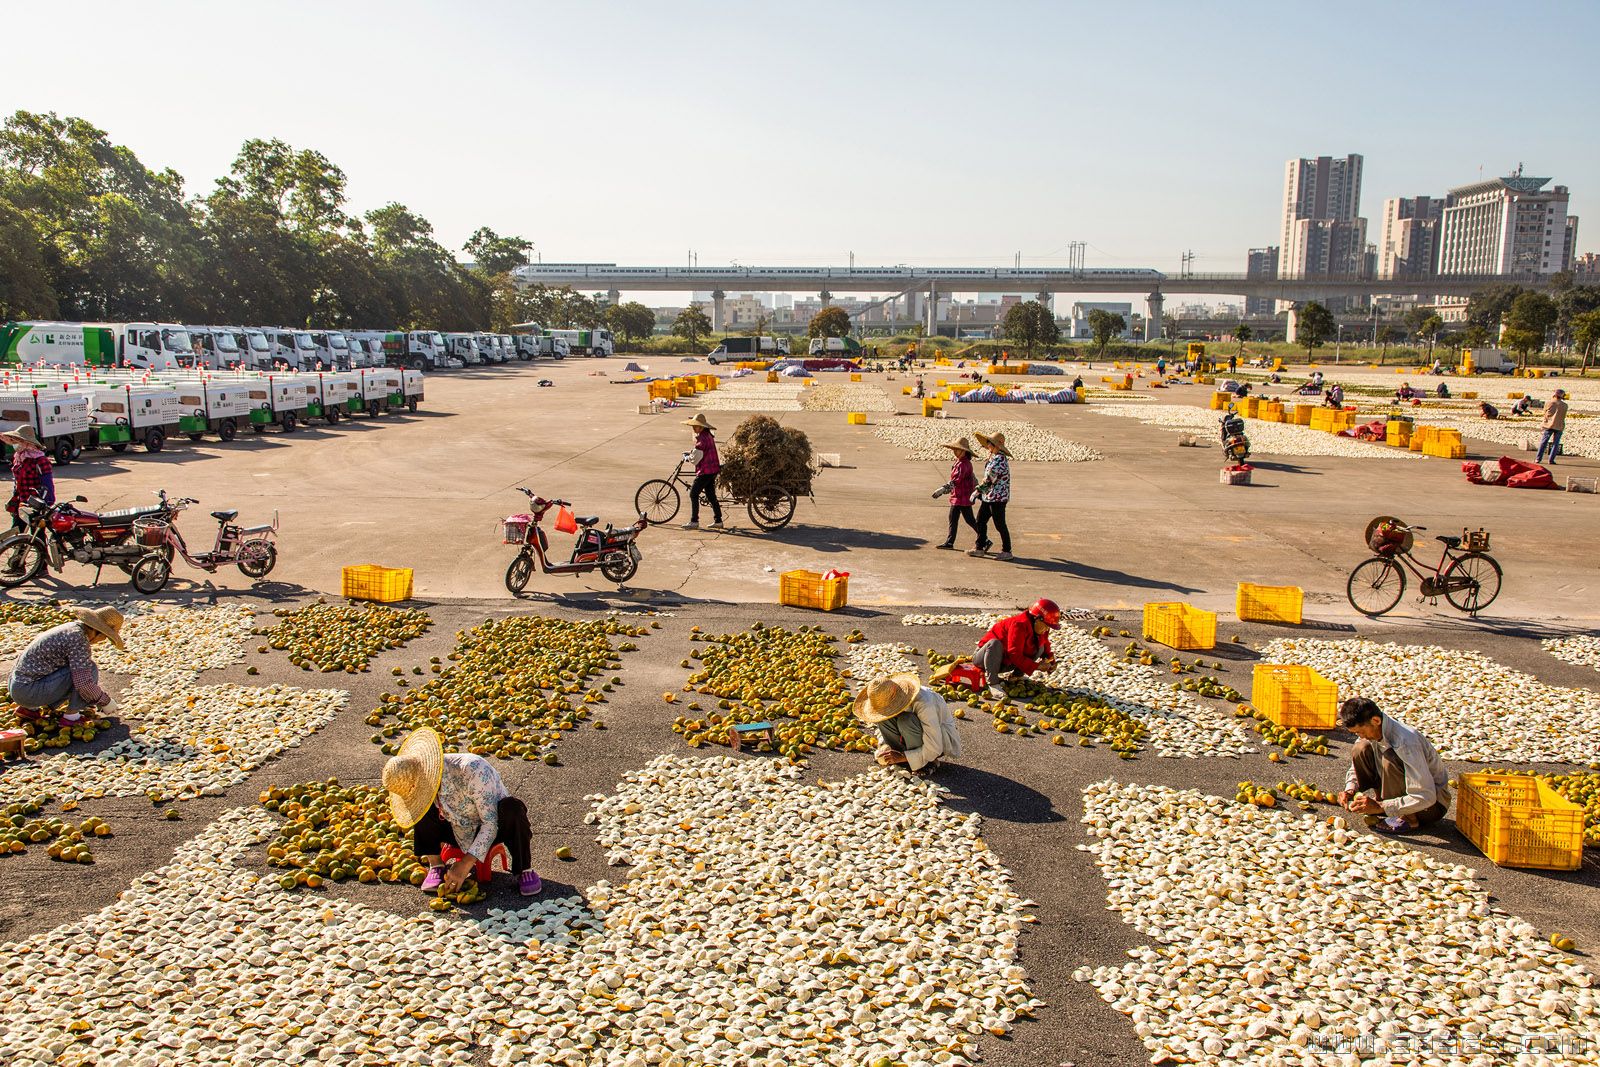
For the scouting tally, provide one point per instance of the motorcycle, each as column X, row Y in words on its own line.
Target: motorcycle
column 252, row 548
column 59, row 533
column 1234, row 442
column 611, row 551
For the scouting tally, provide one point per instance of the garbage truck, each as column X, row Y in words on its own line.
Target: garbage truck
column 586, row 342
column 293, row 349
column 59, row 417
column 125, row 414
column 418, row 349
column 463, row 347
column 333, row 350
column 211, row 405
column 149, row 345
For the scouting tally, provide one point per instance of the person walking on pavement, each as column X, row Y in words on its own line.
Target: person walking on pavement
column 961, row 486
column 31, row 474
column 993, row 495
column 1555, row 422
column 1019, row 644
column 706, row 466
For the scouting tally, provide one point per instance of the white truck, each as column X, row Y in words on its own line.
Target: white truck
column 147, row 345
column 121, row 415
column 366, row 349
column 292, row 349
column 280, row 400
column 488, row 347
column 386, row 389
column 333, row 350
column 463, row 347
column 1491, row 361
column 208, row 405
column 60, row 418
column 216, row 347
column 335, row 391
column 586, row 342
column 418, row 349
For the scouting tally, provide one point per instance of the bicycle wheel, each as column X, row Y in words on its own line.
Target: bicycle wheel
column 22, row 559
column 658, row 500
column 1472, row 582
column 771, row 507
column 518, row 573
column 1376, row 586
column 150, row 574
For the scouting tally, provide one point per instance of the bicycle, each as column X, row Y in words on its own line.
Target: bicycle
column 658, row 500
column 1466, row 575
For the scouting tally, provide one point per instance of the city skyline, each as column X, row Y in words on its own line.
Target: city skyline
column 636, row 135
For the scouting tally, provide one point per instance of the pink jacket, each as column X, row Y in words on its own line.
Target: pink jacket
column 962, row 482
column 709, row 462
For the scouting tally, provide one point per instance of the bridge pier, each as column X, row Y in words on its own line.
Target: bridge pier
column 1291, row 323
column 932, row 325
column 826, row 297
column 717, row 298
column 1044, row 298
column 1152, row 317
column 912, row 310
column 614, row 297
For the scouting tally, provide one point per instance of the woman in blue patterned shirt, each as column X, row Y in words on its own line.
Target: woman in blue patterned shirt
column 994, row 494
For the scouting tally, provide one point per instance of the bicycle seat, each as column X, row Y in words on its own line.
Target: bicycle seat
column 587, row 520
column 1448, row 541
column 224, row 516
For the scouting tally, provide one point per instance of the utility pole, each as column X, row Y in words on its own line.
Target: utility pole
column 1187, row 261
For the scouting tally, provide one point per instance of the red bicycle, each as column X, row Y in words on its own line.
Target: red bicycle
column 252, row 548
column 611, row 551
column 1466, row 575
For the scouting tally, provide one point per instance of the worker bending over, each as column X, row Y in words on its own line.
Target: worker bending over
column 1395, row 772
column 1019, row 644
column 915, row 726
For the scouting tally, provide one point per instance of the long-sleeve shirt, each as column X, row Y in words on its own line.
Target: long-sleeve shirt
column 996, row 487
column 1427, row 781
column 1555, row 415
column 64, row 646
column 706, row 445
column 962, row 482
column 1025, row 647
column 30, row 477
column 939, row 737
column 470, row 793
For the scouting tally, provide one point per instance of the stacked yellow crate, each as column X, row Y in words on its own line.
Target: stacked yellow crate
column 1303, row 413
column 1398, row 434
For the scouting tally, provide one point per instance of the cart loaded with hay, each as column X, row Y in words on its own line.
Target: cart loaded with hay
column 766, row 467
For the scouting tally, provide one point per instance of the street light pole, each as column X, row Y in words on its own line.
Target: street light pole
column 1338, row 343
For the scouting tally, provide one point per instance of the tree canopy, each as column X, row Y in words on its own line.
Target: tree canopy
column 1313, row 325
column 691, row 324
column 631, row 320
column 1030, row 324
column 1526, row 322
column 1103, row 326
column 829, row 322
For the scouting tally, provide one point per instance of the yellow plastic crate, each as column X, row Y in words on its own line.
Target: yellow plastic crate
column 368, row 581
column 685, row 387
column 1518, row 821
column 1250, row 407
column 808, row 589
column 856, row 418
column 1303, row 413
column 855, row 377
column 1398, row 434
column 1292, row 695
column 905, row 390
column 772, row 375
column 1269, row 603
column 1178, row 625
column 930, row 405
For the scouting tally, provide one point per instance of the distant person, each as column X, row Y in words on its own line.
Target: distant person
column 1161, row 366
column 706, row 465
column 994, row 494
column 1488, row 410
column 1442, row 392
column 1334, row 398
column 1395, row 773
column 1233, row 364
column 1523, row 405
column 1077, row 383
column 1555, row 422
column 960, row 487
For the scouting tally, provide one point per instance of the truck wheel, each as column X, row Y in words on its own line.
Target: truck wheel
column 228, row 430
column 373, row 409
column 154, row 439
column 288, row 422
column 63, row 451
column 411, row 404
column 332, row 414
column 418, row 364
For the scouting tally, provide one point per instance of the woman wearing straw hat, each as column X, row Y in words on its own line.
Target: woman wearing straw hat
column 58, row 666
column 456, row 798
column 994, row 494
column 706, row 466
column 960, row 487
column 914, row 724
column 31, row 475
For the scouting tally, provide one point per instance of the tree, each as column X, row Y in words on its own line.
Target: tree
column 758, row 327
column 1487, row 307
column 1030, row 324
column 829, row 322
column 1169, row 326
column 1242, row 333
column 1103, row 326
column 631, row 320
column 691, row 324
column 1530, row 316
column 1429, row 328
column 1313, row 325
column 1586, row 335
column 25, row 290
column 492, row 254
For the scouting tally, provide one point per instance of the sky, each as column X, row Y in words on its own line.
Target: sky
column 924, row 132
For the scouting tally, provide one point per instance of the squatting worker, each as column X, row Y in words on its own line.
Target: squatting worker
column 1019, row 644
column 961, row 486
column 58, row 666
column 1555, row 423
column 706, row 465
column 915, row 726
column 456, row 798
column 1395, row 772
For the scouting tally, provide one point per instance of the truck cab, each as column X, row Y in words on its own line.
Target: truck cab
column 332, row 350
column 215, row 347
column 488, row 347
column 463, row 347
column 292, row 348
column 255, row 351
column 834, row 346
column 154, row 345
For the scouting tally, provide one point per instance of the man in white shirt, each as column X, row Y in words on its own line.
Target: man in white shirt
column 1395, row 772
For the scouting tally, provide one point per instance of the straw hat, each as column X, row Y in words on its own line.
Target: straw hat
column 961, row 445
column 883, row 698
column 996, row 441
column 412, row 776
column 106, row 621
column 22, row 434
column 699, row 422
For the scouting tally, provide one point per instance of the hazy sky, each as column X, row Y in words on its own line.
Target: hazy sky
column 916, row 132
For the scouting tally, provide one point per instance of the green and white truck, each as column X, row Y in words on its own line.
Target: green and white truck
column 586, row 342
column 147, row 345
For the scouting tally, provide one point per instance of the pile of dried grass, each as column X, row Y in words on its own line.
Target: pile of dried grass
column 762, row 452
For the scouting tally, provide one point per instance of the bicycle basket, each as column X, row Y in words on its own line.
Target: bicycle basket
column 151, row 532
column 1388, row 537
column 515, row 529
column 1475, row 540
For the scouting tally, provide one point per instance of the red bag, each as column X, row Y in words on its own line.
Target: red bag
column 1474, row 472
column 565, row 522
column 1538, row 478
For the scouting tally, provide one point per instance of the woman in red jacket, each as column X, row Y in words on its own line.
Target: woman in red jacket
column 706, row 466
column 1019, row 643
column 961, row 485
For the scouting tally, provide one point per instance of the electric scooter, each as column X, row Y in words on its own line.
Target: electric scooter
column 611, row 551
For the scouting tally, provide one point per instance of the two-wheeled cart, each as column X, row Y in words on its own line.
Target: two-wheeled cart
column 771, row 506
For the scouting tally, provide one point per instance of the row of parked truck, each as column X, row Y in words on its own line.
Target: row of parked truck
column 75, row 409
column 166, row 346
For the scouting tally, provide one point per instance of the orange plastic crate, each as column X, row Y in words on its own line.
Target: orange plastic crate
column 368, row 581
column 1292, row 695
column 1178, row 625
column 808, row 589
column 1269, row 603
column 1518, row 821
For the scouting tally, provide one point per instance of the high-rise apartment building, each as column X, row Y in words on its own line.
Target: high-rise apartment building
column 1410, row 247
column 1510, row 225
column 1323, row 231
column 1260, row 263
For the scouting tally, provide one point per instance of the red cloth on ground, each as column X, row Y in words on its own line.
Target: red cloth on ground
column 1473, row 471
column 1024, row 648
column 1534, row 479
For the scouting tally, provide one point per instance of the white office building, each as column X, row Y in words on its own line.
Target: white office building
column 1510, row 225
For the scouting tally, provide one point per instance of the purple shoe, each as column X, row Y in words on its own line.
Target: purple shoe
column 434, row 879
column 529, row 883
